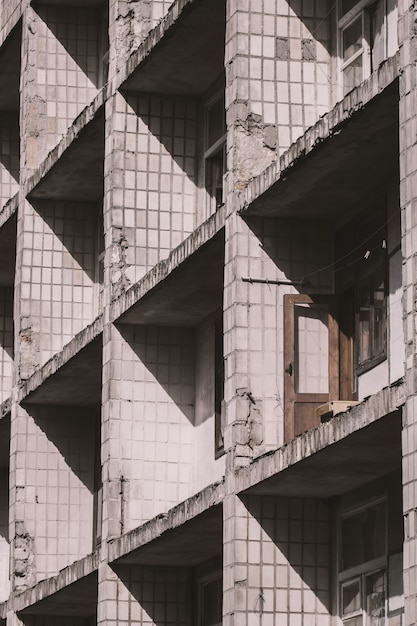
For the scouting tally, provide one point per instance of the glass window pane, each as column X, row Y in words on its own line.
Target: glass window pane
column 364, row 329
column 363, row 536
column 311, row 348
column 379, row 318
column 351, row 597
column 375, row 599
column 216, row 121
column 352, row 75
column 211, row 605
column 352, row 38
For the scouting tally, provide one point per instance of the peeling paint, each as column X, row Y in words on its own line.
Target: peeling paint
column 119, row 264
column 248, row 432
column 255, row 144
column 29, row 349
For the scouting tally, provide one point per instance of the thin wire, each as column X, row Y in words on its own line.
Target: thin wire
column 347, row 255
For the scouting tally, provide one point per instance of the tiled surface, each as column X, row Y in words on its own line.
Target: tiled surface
column 51, row 485
column 148, row 418
column 145, row 596
column 4, row 534
column 254, row 335
column 60, row 58
column 151, row 173
column 57, row 273
column 278, row 548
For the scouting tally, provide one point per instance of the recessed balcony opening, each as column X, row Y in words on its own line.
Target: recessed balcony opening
column 9, row 119
column 64, row 277
column 7, row 272
column 74, row 604
column 75, row 65
column 64, row 473
column 4, row 507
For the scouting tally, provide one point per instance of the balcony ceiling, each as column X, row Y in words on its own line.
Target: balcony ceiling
column 78, row 599
column 76, row 383
column 345, row 172
column 190, row 55
column 370, row 453
column 78, row 173
column 189, row 294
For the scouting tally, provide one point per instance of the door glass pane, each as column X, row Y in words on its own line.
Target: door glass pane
column 351, row 597
column 352, row 38
column 375, row 599
column 353, row 621
column 311, row 348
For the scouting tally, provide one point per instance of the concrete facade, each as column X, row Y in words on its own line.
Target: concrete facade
column 208, row 313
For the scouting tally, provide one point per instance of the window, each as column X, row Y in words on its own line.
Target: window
column 210, row 600
column 362, row 39
column 215, row 150
column 362, row 566
column 218, row 388
column 361, row 275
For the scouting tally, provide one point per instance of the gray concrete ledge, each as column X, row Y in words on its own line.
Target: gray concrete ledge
column 202, row 235
column 46, row 588
column 320, row 439
column 144, row 536
column 69, row 351
column 323, row 129
column 86, row 116
column 9, row 209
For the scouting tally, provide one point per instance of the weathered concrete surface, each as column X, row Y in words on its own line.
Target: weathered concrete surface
column 298, row 185
column 5, row 408
column 187, row 534
column 195, row 29
column 73, row 376
column 183, row 289
column 74, row 169
column 71, row 592
column 8, row 246
column 351, row 449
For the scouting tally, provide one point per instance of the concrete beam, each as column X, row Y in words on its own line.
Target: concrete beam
column 71, row 377
column 182, row 289
column 349, row 450
column 73, row 591
column 183, row 54
column 186, row 535
column 315, row 174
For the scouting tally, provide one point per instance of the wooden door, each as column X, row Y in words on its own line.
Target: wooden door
column 311, row 359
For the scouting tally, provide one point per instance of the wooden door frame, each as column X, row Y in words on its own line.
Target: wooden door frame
column 289, row 355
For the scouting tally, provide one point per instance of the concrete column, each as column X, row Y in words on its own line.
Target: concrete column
column 407, row 36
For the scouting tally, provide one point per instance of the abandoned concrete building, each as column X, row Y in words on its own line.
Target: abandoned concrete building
column 208, row 313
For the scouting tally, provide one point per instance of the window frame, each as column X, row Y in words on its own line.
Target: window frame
column 202, row 582
column 363, row 570
column 344, row 21
column 212, row 150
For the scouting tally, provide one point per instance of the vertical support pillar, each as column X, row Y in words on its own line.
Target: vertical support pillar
column 407, row 37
